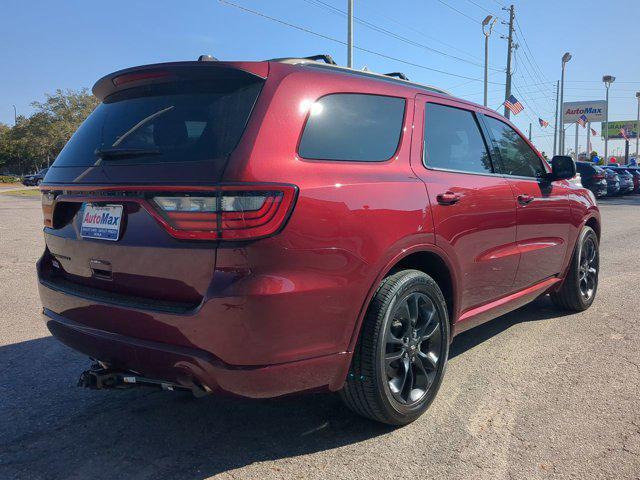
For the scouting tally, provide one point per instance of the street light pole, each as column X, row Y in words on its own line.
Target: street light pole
column 487, row 34
column 565, row 58
column 350, row 34
column 638, row 127
column 608, row 80
column 15, row 115
column 555, row 121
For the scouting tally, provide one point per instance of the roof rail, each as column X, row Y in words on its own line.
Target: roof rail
column 399, row 75
column 326, row 58
column 329, row 63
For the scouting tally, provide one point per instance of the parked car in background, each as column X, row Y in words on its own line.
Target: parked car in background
column 265, row 228
column 35, row 179
column 613, row 182
column 626, row 179
column 593, row 178
column 635, row 173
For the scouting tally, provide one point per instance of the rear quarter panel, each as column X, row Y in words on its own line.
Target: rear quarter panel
column 584, row 208
column 350, row 220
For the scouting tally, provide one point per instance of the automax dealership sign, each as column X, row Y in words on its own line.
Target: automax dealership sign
column 595, row 111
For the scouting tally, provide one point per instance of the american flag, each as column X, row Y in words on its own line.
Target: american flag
column 543, row 123
column 594, row 133
column 582, row 121
column 623, row 132
column 513, row 104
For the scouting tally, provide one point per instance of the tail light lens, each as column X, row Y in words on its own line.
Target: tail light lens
column 244, row 212
column 47, row 208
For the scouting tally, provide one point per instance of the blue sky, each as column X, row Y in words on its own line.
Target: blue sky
column 45, row 45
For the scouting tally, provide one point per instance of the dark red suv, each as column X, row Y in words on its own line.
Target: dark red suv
column 263, row 228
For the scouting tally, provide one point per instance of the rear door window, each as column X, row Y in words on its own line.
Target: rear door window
column 172, row 122
column 517, row 158
column 353, row 127
column 453, row 141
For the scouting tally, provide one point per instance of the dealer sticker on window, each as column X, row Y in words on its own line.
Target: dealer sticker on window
column 102, row 222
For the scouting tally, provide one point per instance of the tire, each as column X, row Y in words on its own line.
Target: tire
column 578, row 290
column 38, row 182
column 400, row 358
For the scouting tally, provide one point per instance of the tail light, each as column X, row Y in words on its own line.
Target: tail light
column 244, row 212
column 47, row 208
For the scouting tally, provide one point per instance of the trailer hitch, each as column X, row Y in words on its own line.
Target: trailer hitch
column 100, row 377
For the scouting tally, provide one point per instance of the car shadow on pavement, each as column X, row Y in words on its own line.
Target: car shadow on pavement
column 51, row 429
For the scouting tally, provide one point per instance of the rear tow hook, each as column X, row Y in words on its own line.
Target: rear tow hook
column 100, row 378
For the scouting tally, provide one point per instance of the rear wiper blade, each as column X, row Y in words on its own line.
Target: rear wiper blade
column 125, row 152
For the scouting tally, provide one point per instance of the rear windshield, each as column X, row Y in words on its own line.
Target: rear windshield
column 173, row 122
column 585, row 168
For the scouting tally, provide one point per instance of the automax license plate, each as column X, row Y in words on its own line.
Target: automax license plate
column 101, row 221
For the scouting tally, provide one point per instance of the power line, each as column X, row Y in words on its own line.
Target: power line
column 421, row 33
column 539, row 90
column 362, row 49
column 526, row 44
column 485, row 9
column 320, row 3
column 458, row 11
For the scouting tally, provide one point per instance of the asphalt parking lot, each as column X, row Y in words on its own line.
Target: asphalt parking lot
column 533, row 394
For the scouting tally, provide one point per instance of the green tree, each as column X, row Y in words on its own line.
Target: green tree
column 37, row 139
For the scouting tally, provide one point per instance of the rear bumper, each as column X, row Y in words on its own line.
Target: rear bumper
column 191, row 366
column 598, row 189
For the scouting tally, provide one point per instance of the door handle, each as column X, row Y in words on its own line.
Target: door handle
column 448, row 198
column 525, row 199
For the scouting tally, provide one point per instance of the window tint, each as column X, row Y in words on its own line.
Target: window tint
column 182, row 121
column 516, row 155
column 452, row 140
column 352, row 127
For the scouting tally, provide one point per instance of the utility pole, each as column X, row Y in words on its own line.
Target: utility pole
column 588, row 140
column 555, row 125
column 15, row 115
column 507, row 90
column 350, row 34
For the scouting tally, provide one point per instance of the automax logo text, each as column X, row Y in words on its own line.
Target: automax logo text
column 101, row 219
column 584, row 111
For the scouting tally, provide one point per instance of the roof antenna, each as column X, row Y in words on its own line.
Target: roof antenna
column 207, row 58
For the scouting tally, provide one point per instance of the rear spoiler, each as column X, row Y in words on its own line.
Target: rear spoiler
column 162, row 72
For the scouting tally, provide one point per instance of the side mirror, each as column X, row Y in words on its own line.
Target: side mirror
column 562, row 167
